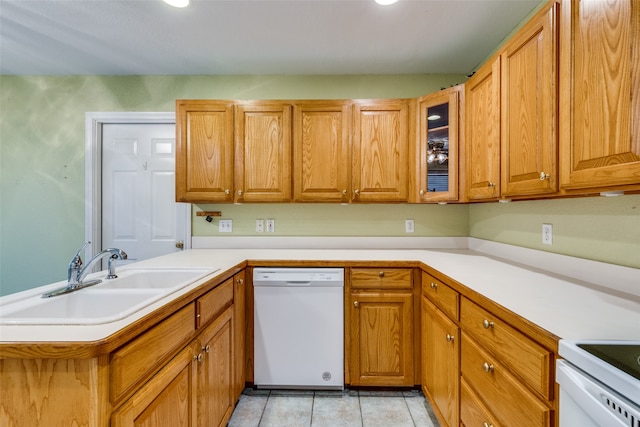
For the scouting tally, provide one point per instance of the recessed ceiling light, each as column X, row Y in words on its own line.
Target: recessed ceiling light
column 386, row 2
column 177, row 3
column 433, row 117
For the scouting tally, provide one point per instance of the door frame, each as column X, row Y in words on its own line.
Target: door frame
column 93, row 170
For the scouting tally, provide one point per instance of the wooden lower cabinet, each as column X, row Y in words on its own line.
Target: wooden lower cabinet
column 193, row 389
column 166, row 400
column 215, row 388
column 501, row 392
column 472, row 410
column 381, row 334
column 440, row 362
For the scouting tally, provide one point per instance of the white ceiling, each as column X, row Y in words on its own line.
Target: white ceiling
column 148, row 37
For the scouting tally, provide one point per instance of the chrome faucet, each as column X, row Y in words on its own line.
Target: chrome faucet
column 77, row 276
column 76, row 272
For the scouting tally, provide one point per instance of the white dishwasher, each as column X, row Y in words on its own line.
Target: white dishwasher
column 299, row 328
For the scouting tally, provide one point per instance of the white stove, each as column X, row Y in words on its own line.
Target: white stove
column 599, row 383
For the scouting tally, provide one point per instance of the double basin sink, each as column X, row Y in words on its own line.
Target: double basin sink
column 106, row 302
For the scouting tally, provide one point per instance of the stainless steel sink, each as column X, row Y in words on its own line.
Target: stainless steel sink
column 107, row 302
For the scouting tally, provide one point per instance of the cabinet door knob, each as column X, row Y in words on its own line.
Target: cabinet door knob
column 450, row 338
column 543, row 176
column 240, row 282
column 486, row 424
column 198, row 358
column 487, row 367
column 227, row 191
column 491, row 184
column 180, row 244
column 207, row 348
column 381, row 274
column 433, row 285
column 357, row 192
column 356, row 304
column 422, row 192
column 344, row 192
column 239, row 192
column 487, row 324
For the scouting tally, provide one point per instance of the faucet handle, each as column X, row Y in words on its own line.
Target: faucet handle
column 76, row 263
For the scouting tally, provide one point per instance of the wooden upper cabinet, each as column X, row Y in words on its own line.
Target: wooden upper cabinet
column 600, row 95
column 204, row 151
column 322, row 151
column 438, row 145
column 482, row 130
column 529, row 120
column 263, row 152
column 380, row 151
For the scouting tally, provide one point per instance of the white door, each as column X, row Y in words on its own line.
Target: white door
column 139, row 212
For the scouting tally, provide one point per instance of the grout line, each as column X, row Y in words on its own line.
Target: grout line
column 264, row 408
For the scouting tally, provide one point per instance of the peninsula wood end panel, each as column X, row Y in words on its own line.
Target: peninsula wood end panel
column 32, row 392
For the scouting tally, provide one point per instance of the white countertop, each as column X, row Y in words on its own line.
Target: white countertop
column 579, row 307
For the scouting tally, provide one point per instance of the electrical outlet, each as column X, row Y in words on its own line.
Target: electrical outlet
column 409, row 226
column 271, row 225
column 259, row 225
column 547, row 234
column 225, row 226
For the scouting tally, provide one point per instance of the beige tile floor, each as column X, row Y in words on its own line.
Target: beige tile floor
column 282, row 408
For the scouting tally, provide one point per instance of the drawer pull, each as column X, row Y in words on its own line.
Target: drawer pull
column 487, row 367
column 434, row 285
column 381, row 274
column 450, row 338
column 486, row 424
column 356, row 304
column 487, row 324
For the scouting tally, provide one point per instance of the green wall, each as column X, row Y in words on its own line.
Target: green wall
column 338, row 220
column 42, row 147
column 599, row 228
column 42, row 162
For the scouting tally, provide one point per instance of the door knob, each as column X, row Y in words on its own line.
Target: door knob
column 180, row 244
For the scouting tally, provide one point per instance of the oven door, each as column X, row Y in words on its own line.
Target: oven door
column 585, row 402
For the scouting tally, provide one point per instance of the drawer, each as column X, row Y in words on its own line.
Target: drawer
column 502, row 393
column 445, row 298
column 381, row 278
column 213, row 303
column 133, row 363
column 526, row 358
column 472, row 410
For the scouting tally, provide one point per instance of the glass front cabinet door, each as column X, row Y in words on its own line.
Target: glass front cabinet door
column 439, row 145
